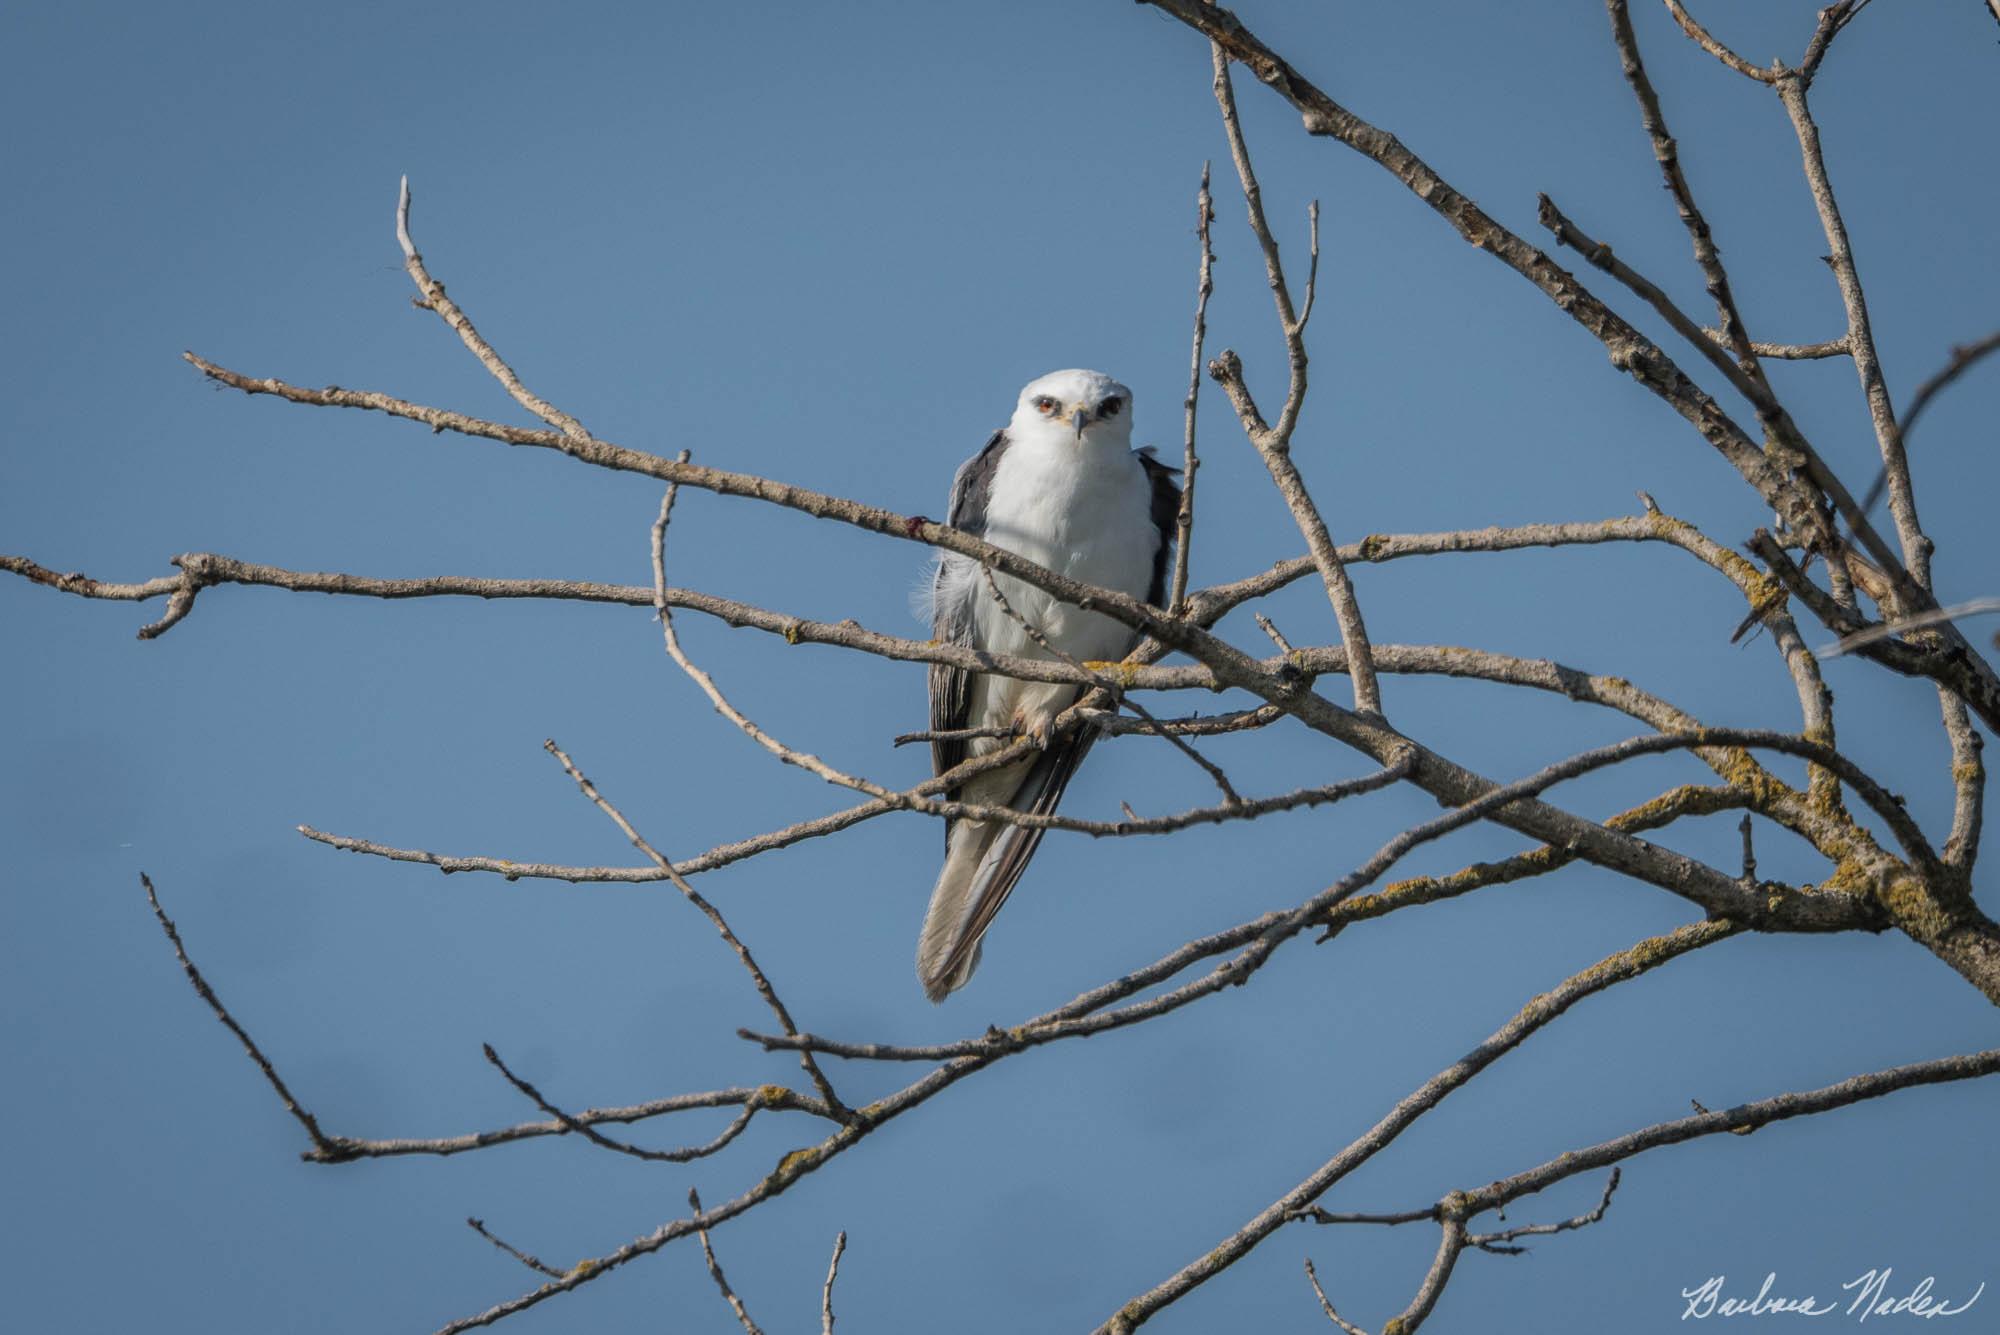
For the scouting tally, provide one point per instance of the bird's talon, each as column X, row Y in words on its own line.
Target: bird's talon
column 1041, row 732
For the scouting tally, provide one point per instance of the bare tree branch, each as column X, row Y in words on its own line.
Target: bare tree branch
column 1832, row 19
column 324, row 1145
column 1451, row 1242
column 715, row 1273
column 1667, row 153
column 1855, row 1089
column 1717, row 49
column 1204, row 214
column 533, row 1263
column 1963, row 359
column 1753, row 387
column 1617, row 968
column 1860, row 639
column 715, row 918
column 1868, row 882
column 1630, row 350
column 1860, row 334
column 1661, row 811
column 1274, row 443
column 1792, row 352
column 1327, row 1306
column 826, row 1292
column 434, row 299
column 1501, row 1241
column 766, row 1097
column 602, row 1141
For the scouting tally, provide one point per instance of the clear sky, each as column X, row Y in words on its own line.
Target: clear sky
column 829, row 243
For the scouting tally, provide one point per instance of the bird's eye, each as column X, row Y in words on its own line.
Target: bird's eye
column 1110, row 407
column 1045, row 405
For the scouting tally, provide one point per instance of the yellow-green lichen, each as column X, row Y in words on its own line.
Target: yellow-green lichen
column 1746, row 776
column 1125, row 672
column 1913, row 906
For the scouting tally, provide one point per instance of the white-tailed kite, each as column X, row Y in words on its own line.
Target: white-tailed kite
column 1062, row 486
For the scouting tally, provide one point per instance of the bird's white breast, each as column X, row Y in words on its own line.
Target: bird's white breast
column 1084, row 511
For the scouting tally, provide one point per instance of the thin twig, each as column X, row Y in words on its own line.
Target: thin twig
column 1274, row 443
column 766, row 1097
column 1667, row 153
column 805, row 760
column 1717, row 49
column 1855, row 1089
column 1860, row 639
column 1312, row 265
column 715, row 1272
column 1190, row 462
column 826, row 1290
column 1499, row 1242
column 1860, row 333
column 533, row 1263
column 602, row 1141
column 708, row 910
column 324, row 1146
column 1277, row 637
column 1326, row 1306
column 1963, row 359
column 434, row 299
column 1788, row 352
column 1832, row 19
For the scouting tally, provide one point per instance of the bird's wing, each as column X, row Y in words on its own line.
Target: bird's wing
column 952, row 596
column 1166, row 518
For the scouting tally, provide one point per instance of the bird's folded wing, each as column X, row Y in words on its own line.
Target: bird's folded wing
column 952, row 591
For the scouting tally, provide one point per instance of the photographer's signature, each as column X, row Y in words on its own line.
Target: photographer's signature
column 1870, row 1292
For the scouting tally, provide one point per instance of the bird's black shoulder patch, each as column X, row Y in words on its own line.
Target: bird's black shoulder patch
column 1166, row 517
column 972, row 488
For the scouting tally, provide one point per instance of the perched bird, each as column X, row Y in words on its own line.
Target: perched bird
column 1062, row 486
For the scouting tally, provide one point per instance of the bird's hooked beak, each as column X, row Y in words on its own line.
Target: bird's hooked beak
column 1077, row 419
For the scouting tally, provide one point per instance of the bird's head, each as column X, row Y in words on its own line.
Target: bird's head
column 1075, row 407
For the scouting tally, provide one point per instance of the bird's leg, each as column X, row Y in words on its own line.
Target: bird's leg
column 1037, row 723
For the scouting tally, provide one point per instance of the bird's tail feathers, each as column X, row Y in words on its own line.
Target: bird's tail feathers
column 983, row 860
column 951, row 901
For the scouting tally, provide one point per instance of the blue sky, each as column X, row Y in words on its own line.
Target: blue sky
column 829, row 244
